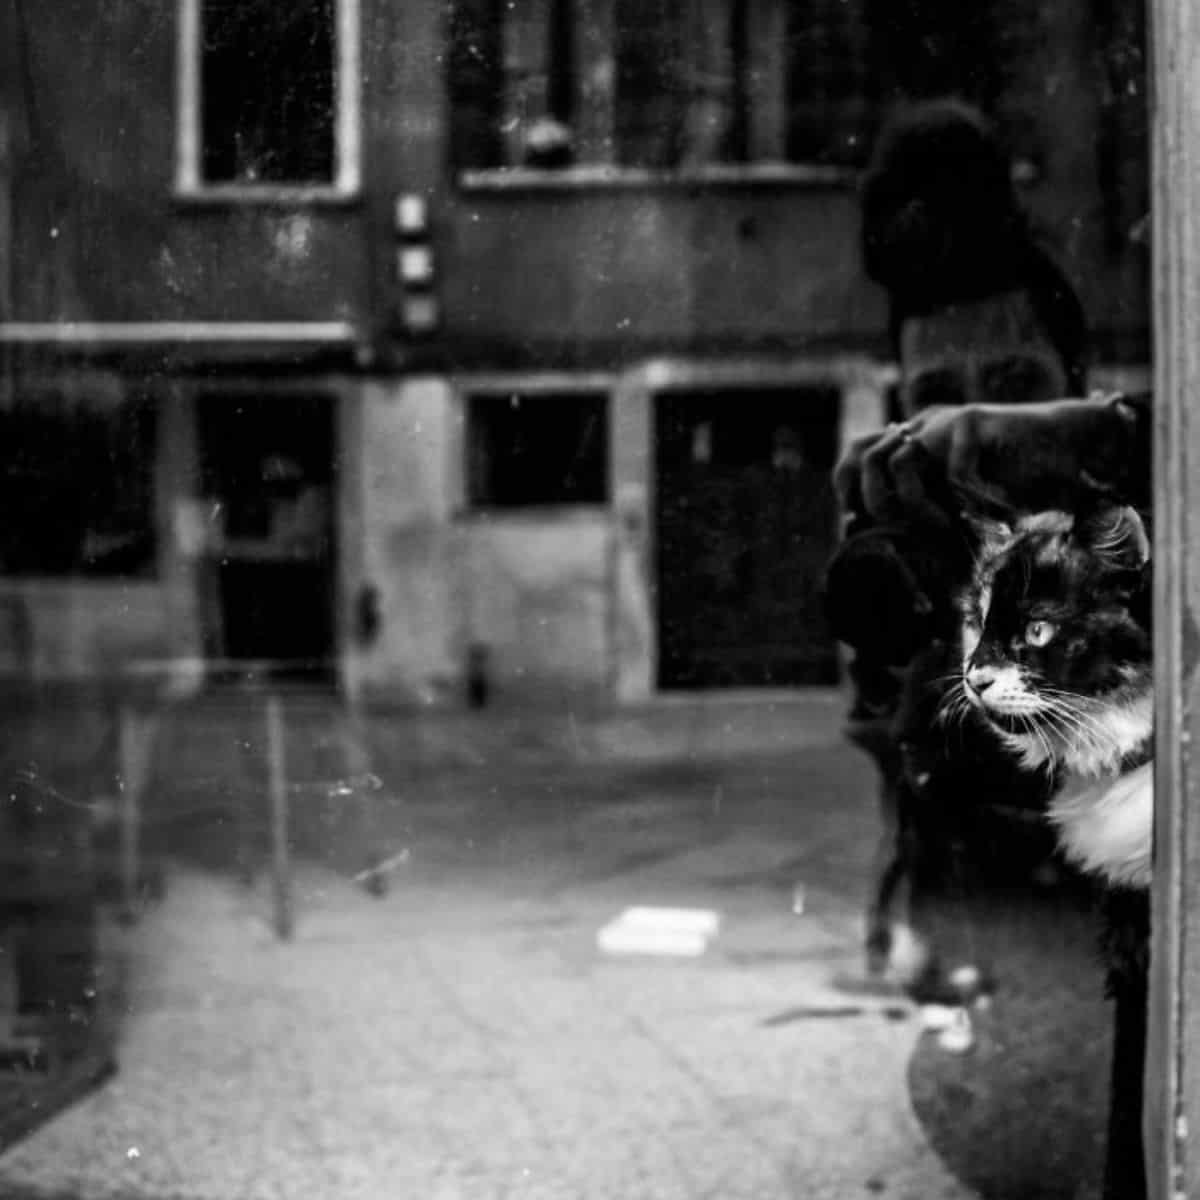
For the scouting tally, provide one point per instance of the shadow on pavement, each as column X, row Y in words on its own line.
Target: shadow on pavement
column 1021, row 1116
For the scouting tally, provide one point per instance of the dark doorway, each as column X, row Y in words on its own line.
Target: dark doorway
column 746, row 522
column 267, row 475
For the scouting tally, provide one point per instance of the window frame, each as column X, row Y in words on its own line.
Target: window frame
column 1172, row 1061
column 610, row 176
column 346, row 184
column 768, row 169
column 495, row 387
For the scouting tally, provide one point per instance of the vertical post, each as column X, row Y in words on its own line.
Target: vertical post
column 767, row 80
column 277, row 783
column 244, row 834
column 526, row 74
column 713, row 104
column 357, row 761
column 595, row 75
column 632, row 631
column 130, row 818
column 187, row 98
column 6, row 216
column 1173, row 1051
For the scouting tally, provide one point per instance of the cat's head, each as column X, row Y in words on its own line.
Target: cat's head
column 1056, row 637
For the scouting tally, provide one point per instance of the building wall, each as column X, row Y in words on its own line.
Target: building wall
column 532, row 273
column 535, row 597
column 98, row 231
column 419, row 579
column 553, row 268
column 614, row 274
column 532, row 590
column 61, row 628
column 526, row 268
column 562, row 600
column 399, row 541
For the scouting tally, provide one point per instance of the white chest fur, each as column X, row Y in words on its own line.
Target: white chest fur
column 1106, row 824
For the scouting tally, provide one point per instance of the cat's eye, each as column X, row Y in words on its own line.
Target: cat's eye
column 1038, row 633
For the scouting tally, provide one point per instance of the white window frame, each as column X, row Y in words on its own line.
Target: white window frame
column 496, row 385
column 347, row 176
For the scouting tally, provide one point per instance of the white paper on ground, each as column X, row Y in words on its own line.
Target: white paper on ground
column 680, row 932
column 695, row 920
column 625, row 939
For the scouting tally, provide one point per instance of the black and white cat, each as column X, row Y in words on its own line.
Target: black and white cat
column 1057, row 662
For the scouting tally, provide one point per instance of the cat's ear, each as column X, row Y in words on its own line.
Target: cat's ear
column 990, row 534
column 1117, row 535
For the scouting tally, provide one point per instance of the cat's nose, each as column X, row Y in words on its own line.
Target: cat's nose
column 980, row 679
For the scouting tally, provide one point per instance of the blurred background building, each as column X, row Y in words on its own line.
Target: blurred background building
column 471, row 350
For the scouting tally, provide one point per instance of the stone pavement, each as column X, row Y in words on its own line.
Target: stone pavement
column 461, row 1036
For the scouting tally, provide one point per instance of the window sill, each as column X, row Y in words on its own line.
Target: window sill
column 537, row 179
column 584, row 511
column 42, row 583
column 272, row 196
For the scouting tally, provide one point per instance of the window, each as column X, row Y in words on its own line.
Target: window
column 533, row 449
column 78, row 484
column 687, row 84
column 660, row 83
column 269, row 97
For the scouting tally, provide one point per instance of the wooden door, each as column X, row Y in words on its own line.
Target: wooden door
column 745, row 524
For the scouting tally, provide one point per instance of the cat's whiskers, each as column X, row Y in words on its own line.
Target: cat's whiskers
column 1062, row 723
column 1077, row 699
column 1036, row 731
column 1049, row 725
column 1105, row 729
column 1026, row 747
column 955, row 705
column 1067, row 730
column 1088, row 711
column 1069, row 716
column 1080, row 731
column 955, row 675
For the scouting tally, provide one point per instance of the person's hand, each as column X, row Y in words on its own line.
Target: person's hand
column 993, row 457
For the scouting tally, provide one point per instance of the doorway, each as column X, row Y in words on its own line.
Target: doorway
column 746, row 521
column 267, row 475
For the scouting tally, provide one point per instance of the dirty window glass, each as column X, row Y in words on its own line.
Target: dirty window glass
column 536, row 449
column 461, row 737
column 267, row 88
column 78, row 484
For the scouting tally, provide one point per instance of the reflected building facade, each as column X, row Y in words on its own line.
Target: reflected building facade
column 453, row 350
